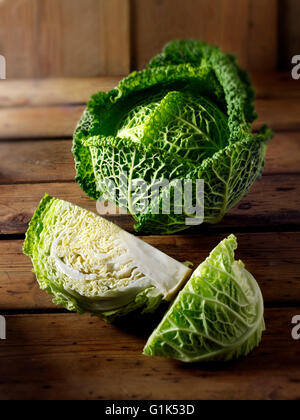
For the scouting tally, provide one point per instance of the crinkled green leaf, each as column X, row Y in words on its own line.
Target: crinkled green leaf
column 218, row 316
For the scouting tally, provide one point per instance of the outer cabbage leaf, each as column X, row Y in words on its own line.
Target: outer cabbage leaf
column 228, row 176
column 91, row 265
column 218, row 316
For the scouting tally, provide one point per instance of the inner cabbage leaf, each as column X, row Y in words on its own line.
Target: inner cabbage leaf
column 218, row 316
column 89, row 264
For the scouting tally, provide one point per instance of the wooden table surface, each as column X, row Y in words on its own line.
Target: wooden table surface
column 50, row 353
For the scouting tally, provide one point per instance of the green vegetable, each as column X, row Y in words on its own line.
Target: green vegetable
column 218, row 316
column 188, row 116
column 91, row 265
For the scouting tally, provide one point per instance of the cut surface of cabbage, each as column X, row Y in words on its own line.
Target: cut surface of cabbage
column 89, row 264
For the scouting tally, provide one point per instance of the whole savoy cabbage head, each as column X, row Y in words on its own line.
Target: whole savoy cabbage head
column 188, row 116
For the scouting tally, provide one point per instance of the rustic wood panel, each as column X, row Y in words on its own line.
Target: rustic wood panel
column 39, row 122
column 263, row 35
column 60, row 91
column 77, row 357
column 273, row 258
column 77, row 91
column 65, row 38
column 236, row 26
column 52, row 160
column 272, row 85
column 273, row 203
column 60, row 121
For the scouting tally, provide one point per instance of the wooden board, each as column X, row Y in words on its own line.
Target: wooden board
column 42, row 92
column 69, row 356
column 65, row 38
column 270, row 257
column 157, row 22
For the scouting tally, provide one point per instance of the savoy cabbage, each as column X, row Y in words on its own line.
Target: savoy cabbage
column 218, row 316
column 88, row 264
column 189, row 116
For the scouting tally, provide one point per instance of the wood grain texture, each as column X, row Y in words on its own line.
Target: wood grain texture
column 39, row 122
column 52, row 160
column 77, row 91
column 273, row 258
column 263, row 35
column 60, row 121
column 233, row 25
column 65, row 38
column 77, row 357
column 60, row 91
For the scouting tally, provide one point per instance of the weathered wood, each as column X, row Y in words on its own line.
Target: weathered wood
column 262, row 38
column 157, row 22
column 273, row 258
column 280, row 115
column 78, row 357
column 39, row 122
column 65, row 38
column 52, row 160
column 272, row 85
column 60, row 121
column 36, row 161
column 43, row 92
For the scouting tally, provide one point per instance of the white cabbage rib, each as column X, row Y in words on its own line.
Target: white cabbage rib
column 107, row 266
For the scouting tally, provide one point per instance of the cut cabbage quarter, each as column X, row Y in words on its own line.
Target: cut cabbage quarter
column 218, row 316
column 91, row 265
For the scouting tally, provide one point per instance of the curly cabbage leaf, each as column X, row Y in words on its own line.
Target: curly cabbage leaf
column 218, row 316
column 88, row 264
column 188, row 115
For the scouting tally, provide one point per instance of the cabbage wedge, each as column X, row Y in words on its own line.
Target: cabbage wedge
column 218, row 316
column 88, row 264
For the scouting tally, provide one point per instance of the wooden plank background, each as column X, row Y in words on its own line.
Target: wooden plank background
column 50, row 353
column 72, row 38
column 42, row 38
column 156, row 22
